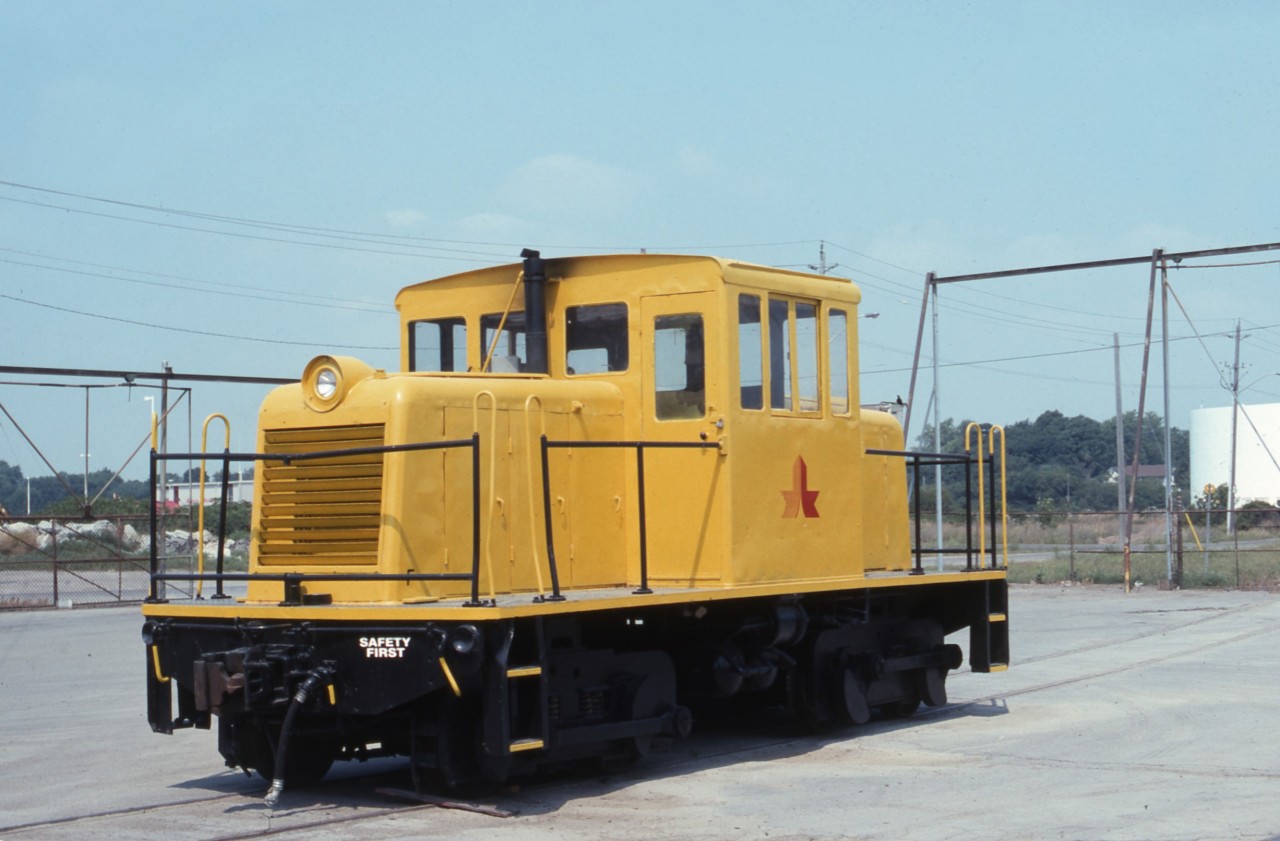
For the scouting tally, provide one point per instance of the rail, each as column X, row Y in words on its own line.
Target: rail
column 292, row 581
column 976, row 557
column 639, row 447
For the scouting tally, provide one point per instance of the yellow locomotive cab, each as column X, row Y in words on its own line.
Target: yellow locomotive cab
column 600, row 492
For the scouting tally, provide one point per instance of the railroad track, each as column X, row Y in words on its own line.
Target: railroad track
column 351, row 794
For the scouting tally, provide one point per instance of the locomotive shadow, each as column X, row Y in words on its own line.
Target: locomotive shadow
column 719, row 742
column 349, row 785
column 725, row 739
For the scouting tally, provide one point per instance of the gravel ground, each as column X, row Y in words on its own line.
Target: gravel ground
column 1143, row 716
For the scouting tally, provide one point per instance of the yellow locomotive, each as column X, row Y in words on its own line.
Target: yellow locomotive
column 601, row 492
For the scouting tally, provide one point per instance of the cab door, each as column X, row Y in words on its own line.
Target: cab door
column 682, row 387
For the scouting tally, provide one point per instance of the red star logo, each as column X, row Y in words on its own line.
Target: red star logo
column 800, row 498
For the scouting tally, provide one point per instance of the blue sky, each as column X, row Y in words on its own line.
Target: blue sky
column 412, row 140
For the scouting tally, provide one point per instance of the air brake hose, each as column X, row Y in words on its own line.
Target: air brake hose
column 300, row 697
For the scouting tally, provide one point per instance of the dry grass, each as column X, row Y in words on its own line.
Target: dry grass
column 1087, row 548
column 1255, row 571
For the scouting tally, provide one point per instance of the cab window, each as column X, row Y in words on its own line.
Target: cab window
column 438, row 345
column 507, row 355
column 596, row 339
column 794, row 375
column 807, row 380
column 838, row 356
column 750, row 353
column 779, row 356
column 680, row 367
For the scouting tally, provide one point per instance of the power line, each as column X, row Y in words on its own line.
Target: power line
column 976, row 362
column 406, row 240
column 157, row 283
column 336, row 233
column 241, row 235
column 189, row 330
column 185, row 279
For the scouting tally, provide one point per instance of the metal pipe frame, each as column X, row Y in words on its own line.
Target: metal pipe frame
column 919, row 460
column 292, row 579
column 640, row 447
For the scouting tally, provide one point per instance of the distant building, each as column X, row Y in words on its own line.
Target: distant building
column 1257, row 453
column 1145, row 471
column 188, row 493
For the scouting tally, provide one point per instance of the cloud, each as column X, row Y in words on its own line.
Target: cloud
column 1040, row 250
column 491, row 225
column 569, row 184
column 1147, row 237
column 405, row 218
column 929, row 246
column 691, row 160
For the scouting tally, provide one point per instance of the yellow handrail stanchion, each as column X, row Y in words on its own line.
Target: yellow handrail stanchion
column 493, row 478
column 1004, row 498
column 204, row 448
column 533, row 514
column 982, row 510
column 155, row 665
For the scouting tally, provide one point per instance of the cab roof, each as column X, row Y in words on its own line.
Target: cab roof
column 708, row 269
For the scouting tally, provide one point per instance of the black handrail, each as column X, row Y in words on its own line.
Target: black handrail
column 639, row 447
column 294, row 579
column 918, row 460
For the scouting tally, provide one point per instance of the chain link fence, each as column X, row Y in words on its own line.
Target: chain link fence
column 1193, row 548
column 73, row 562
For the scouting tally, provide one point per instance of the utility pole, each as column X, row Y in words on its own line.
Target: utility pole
column 1156, row 257
column 1168, row 430
column 822, row 267
column 1120, row 506
column 1235, row 415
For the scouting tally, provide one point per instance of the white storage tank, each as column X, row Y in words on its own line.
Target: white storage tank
column 1257, row 452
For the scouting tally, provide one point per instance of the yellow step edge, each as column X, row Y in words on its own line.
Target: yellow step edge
column 524, row 671
column 998, row 617
column 526, row 744
column 999, row 667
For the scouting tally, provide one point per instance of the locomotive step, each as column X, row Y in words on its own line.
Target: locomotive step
column 525, row 744
column 524, row 671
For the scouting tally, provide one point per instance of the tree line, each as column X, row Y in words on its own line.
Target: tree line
column 1060, row 463
column 49, row 495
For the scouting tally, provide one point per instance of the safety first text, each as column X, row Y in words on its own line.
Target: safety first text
column 384, row 646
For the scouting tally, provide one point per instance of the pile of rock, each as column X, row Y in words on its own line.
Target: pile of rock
column 178, row 542
column 45, row 536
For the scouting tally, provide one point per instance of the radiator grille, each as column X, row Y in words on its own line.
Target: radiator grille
column 321, row 511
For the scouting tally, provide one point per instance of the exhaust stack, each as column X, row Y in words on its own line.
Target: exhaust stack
column 535, row 312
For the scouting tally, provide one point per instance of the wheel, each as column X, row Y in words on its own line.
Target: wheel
column 933, row 686
column 854, row 695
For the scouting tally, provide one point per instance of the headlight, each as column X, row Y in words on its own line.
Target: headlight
column 327, row 380
column 326, row 383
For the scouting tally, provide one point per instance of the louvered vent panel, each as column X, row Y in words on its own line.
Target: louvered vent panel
column 321, row 511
